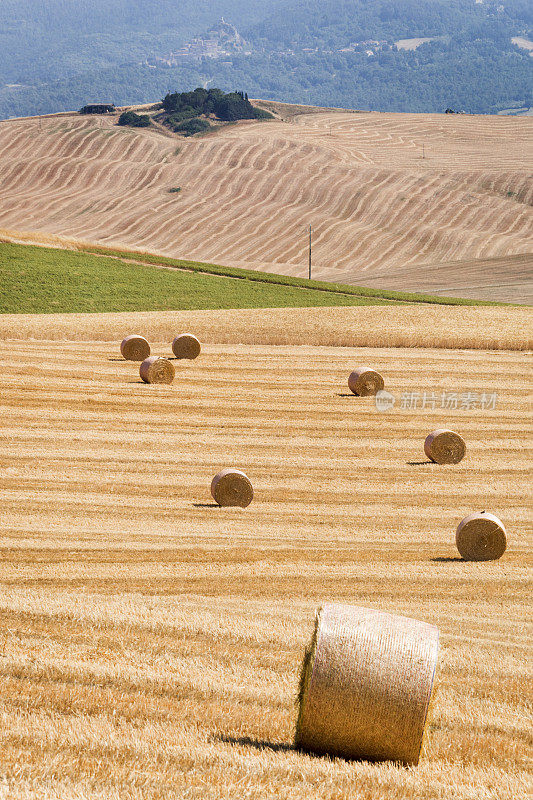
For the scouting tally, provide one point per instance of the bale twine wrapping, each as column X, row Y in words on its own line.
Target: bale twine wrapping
column 157, row 370
column 186, row 346
column 481, row 537
column 364, row 382
column 135, row 348
column 231, row 487
column 444, row 447
column 365, row 685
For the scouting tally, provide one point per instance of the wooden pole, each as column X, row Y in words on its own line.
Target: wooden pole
column 310, row 231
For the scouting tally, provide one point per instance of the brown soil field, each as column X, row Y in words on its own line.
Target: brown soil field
column 151, row 642
column 438, row 203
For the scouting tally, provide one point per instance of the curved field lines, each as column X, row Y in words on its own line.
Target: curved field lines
column 384, row 193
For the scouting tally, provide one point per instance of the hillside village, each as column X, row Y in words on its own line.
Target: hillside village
column 221, row 40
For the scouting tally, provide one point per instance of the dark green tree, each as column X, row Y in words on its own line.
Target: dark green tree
column 134, row 120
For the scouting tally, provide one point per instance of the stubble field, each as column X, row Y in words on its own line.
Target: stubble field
column 151, row 642
column 419, row 202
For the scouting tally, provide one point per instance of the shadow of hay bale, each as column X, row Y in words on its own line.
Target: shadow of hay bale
column 448, row 559
column 258, row 744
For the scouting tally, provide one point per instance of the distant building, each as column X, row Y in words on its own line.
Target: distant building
column 98, row 108
column 220, row 41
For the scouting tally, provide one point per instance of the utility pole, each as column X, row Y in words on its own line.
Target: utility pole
column 423, row 150
column 310, row 231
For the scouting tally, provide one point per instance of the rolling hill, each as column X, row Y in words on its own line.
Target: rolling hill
column 438, row 203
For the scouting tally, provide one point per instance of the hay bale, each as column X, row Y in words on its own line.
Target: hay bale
column 365, row 685
column 157, row 370
column 135, row 348
column 186, row 346
column 444, row 447
column 231, row 487
column 364, row 382
column 481, row 537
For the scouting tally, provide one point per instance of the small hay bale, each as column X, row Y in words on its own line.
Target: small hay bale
column 481, row 537
column 444, row 447
column 231, row 487
column 157, row 370
column 365, row 685
column 364, row 382
column 135, row 348
column 186, row 346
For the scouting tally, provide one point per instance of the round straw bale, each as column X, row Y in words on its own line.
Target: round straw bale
column 444, row 447
column 231, row 487
column 365, row 684
column 157, row 370
column 135, row 348
column 186, row 346
column 364, row 381
column 481, row 537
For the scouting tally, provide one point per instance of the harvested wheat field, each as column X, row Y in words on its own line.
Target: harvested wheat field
column 424, row 202
column 408, row 325
column 151, row 640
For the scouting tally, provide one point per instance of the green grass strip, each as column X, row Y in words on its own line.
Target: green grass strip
column 286, row 280
column 46, row 280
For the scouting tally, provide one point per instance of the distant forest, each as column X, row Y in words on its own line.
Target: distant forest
column 61, row 54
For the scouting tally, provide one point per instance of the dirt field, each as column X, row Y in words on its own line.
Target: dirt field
column 440, row 203
column 150, row 642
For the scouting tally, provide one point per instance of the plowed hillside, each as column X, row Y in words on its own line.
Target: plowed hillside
column 151, row 642
column 420, row 202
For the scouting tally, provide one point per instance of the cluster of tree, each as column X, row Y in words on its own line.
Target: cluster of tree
column 191, row 126
column 187, row 112
column 134, row 120
column 181, row 106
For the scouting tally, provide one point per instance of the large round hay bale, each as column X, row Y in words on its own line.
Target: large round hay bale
column 186, row 346
column 135, row 347
column 157, row 370
column 231, row 487
column 481, row 537
column 444, row 447
column 364, row 382
column 365, row 685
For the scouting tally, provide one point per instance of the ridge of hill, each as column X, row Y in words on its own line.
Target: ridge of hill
column 439, row 203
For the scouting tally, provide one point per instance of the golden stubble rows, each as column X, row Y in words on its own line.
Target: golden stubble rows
column 385, row 194
column 399, row 326
column 150, row 641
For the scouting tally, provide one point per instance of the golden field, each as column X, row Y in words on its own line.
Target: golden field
column 409, row 325
column 151, row 642
column 422, row 202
